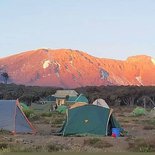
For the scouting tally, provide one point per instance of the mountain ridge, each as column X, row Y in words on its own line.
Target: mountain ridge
column 72, row 68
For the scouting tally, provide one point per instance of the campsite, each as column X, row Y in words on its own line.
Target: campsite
column 49, row 132
column 77, row 76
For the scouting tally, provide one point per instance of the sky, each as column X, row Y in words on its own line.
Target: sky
column 113, row 29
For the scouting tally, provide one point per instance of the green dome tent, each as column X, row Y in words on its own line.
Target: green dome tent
column 89, row 120
column 61, row 109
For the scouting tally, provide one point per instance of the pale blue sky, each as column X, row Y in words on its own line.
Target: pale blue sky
column 103, row 28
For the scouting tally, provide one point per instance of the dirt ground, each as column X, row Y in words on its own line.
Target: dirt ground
column 140, row 137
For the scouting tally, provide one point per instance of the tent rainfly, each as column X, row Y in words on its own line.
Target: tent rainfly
column 100, row 102
column 89, row 120
column 13, row 119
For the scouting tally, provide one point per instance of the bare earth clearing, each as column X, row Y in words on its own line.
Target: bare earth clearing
column 140, row 136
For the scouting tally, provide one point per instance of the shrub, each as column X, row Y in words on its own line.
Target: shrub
column 28, row 112
column 139, row 111
column 34, row 117
column 3, row 146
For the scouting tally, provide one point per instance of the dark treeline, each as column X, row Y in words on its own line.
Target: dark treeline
column 113, row 95
column 27, row 94
column 121, row 95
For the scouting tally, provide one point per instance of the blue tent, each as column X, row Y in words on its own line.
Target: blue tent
column 74, row 99
column 13, row 119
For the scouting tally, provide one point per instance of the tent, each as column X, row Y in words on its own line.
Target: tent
column 13, row 119
column 77, row 104
column 100, row 102
column 61, row 109
column 89, row 120
column 74, row 99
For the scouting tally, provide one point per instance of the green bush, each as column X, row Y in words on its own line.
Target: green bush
column 28, row 113
column 138, row 111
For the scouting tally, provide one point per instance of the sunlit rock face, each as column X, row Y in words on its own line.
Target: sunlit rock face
column 72, row 68
column 153, row 60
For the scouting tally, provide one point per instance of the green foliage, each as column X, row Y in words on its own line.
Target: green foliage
column 29, row 113
column 113, row 95
column 26, row 94
column 61, row 109
column 123, row 95
column 138, row 111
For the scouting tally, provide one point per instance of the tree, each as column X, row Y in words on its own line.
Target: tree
column 5, row 77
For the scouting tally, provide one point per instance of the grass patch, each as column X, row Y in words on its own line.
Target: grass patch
column 22, row 149
column 47, row 114
column 57, row 119
column 27, row 112
column 34, row 117
column 54, row 147
column 4, row 132
column 3, row 146
column 142, row 145
column 149, row 127
column 97, row 143
column 125, row 121
column 148, row 122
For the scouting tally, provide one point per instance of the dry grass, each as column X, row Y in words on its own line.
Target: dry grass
column 54, row 147
column 142, row 145
column 149, row 127
column 44, row 141
column 4, row 147
column 97, row 143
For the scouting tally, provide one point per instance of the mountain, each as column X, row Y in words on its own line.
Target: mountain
column 72, row 68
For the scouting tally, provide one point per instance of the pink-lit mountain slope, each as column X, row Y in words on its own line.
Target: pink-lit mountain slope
column 71, row 68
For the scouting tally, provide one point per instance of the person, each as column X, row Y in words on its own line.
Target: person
column 54, row 107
